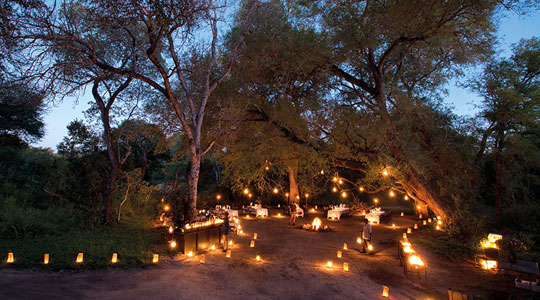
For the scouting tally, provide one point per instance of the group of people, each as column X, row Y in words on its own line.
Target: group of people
column 366, row 233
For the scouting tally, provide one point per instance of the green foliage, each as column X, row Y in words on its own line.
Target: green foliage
column 131, row 239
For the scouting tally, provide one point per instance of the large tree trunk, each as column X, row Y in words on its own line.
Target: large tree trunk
column 114, row 165
column 293, row 184
column 499, row 144
column 193, row 181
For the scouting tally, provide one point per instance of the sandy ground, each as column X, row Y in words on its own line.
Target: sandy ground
column 293, row 266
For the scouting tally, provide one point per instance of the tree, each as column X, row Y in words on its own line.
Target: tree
column 175, row 62
column 511, row 91
column 21, row 112
column 392, row 55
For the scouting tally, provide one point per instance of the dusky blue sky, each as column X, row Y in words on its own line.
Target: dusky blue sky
column 512, row 28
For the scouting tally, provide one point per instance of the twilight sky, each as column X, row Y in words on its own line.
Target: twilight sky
column 512, row 29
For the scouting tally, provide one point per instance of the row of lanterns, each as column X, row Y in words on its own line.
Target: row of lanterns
column 79, row 259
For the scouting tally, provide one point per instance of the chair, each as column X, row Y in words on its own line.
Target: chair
column 299, row 212
column 458, row 295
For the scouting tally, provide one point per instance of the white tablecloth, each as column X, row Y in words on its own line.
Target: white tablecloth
column 262, row 212
column 232, row 212
column 336, row 213
column 375, row 216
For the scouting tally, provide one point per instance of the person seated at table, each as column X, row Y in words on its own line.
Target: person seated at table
column 367, row 231
column 226, row 232
column 292, row 211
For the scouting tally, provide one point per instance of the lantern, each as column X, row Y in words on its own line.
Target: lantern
column 46, row 258
column 376, row 201
column 279, row 205
column 345, row 266
column 246, row 191
column 250, row 195
column 361, row 189
column 344, row 195
column 406, row 197
column 267, row 168
column 166, row 207
column 334, row 189
column 340, row 181
column 252, row 244
column 315, row 206
column 393, row 225
column 255, row 236
column 322, row 172
column 359, row 240
column 404, row 235
column 114, row 258
column 429, row 220
column 258, row 258
column 228, row 254
column 161, row 218
column 370, row 247
column 437, row 227
column 173, row 244
column 339, row 254
column 79, row 258
column 439, row 222
column 402, row 214
column 10, row 258
column 334, row 179
column 392, row 194
column 218, row 196
column 329, row 264
column 415, row 261
column 385, row 291
column 345, row 246
column 438, row 217
column 424, row 222
column 155, row 258
column 213, row 247
column 385, row 173
column 190, row 254
column 409, row 230
column 415, row 226
column 241, row 232
column 420, row 217
column 279, row 214
column 202, row 259
column 171, row 230
column 276, row 190
column 286, row 194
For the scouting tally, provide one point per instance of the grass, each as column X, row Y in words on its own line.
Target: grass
column 133, row 240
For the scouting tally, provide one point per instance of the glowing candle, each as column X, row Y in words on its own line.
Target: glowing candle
column 279, row 214
column 213, row 247
column 345, row 246
column 228, row 254
column 409, row 230
column 46, row 258
column 173, row 244
column 252, row 244
column 345, row 266
column 329, row 264
column 339, row 254
column 370, row 247
column 393, row 225
column 114, row 258
column 404, row 235
column 155, row 258
column 424, row 222
column 439, row 222
column 79, row 258
column 385, row 291
column 255, row 236
column 420, row 217
column 438, row 227
column 230, row 243
column 402, row 214
column 359, row 240
column 202, row 259
column 171, row 229
column 258, row 258
column 415, row 226
column 166, row 208
column 10, row 258
column 190, row 254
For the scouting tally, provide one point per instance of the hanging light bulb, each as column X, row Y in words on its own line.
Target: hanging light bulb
column 361, row 189
column 392, row 194
column 344, row 195
column 276, row 190
column 385, row 173
column 334, row 189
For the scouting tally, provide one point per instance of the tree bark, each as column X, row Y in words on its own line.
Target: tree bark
column 499, row 145
column 193, row 181
column 293, row 184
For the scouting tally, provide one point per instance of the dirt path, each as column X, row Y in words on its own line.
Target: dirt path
column 293, row 267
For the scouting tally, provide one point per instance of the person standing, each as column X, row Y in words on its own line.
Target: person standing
column 226, row 232
column 367, row 231
column 292, row 211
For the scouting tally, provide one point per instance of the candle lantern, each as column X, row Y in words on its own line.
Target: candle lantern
column 258, row 258
column 393, row 225
column 190, row 254
column 402, row 214
column 171, row 230
column 173, row 244
column 255, row 236
column 202, row 259
column 409, row 230
column 385, row 291
column 114, row 258
column 345, row 266
column 329, row 264
column 404, row 235
column 424, row 222
column 79, row 258
column 339, row 254
column 230, row 243
column 429, row 220
column 359, row 240
column 252, row 244
column 10, row 258
column 46, row 258
column 228, row 254
column 345, row 246
column 213, row 247
column 155, row 258
column 415, row 226
column 438, row 227
column 370, row 247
